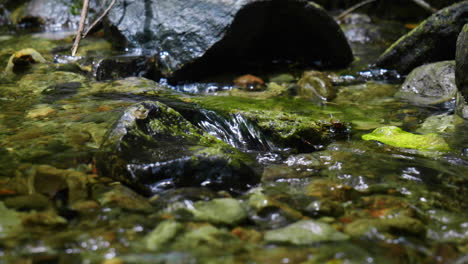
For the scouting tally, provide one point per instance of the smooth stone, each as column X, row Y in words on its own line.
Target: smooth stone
column 162, row 234
column 219, row 211
column 401, row 223
column 430, row 84
column 305, row 232
column 9, row 221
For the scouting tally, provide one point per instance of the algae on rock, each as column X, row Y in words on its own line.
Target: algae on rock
column 152, row 148
column 395, row 136
column 305, row 232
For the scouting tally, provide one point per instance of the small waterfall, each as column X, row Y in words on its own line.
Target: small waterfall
column 235, row 130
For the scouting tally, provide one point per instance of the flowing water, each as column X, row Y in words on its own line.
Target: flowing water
column 378, row 203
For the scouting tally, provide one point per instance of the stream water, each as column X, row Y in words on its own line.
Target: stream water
column 339, row 200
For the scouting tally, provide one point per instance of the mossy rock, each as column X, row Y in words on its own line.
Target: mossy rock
column 433, row 40
column 38, row 82
column 395, row 136
column 289, row 122
column 304, row 233
column 388, row 225
column 219, row 211
column 461, row 68
column 152, row 148
column 21, row 60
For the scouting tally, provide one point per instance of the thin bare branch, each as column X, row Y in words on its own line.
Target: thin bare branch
column 99, row 18
column 425, row 5
column 84, row 14
column 354, row 7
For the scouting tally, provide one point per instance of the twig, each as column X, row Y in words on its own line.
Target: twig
column 84, row 13
column 425, row 5
column 354, row 7
column 99, row 18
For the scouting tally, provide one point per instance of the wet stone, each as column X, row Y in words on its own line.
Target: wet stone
column 461, row 68
column 163, row 234
column 125, row 66
column 433, row 40
column 28, row 202
column 153, row 148
column 304, row 233
column 316, row 86
column 53, row 15
column 60, row 91
column 219, row 211
column 430, row 84
column 397, row 224
column 245, row 33
column 22, row 60
column 123, row 197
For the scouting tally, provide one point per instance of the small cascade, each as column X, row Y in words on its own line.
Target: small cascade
column 235, row 130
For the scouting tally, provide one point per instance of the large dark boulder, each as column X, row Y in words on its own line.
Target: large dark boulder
column 434, row 40
column 153, row 148
column 195, row 38
column 461, row 60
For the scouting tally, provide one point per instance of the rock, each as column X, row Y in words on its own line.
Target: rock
column 316, row 86
column 245, row 33
column 430, row 84
column 38, row 82
column 50, row 181
column 21, row 61
column 152, row 148
column 433, row 40
column 206, row 238
column 287, row 122
column 267, row 212
column 396, row 224
column 226, row 211
column 53, row 15
column 461, row 60
column 272, row 90
column 125, row 66
column 162, row 234
column 304, row 232
column 45, row 218
column 40, row 111
column 9, row 222
column 461, row 107
column 440, row 124
column 282, row 78
column 249, row 82
column 130, row 86
column 34, row 201
column 125, row 198
column 61, row 91
column 8, row 163
column 395, row 136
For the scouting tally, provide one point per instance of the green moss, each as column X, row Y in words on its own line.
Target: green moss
column 290, row 122
column 395, row 136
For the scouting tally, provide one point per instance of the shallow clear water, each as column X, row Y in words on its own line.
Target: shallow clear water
column 394, row 205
